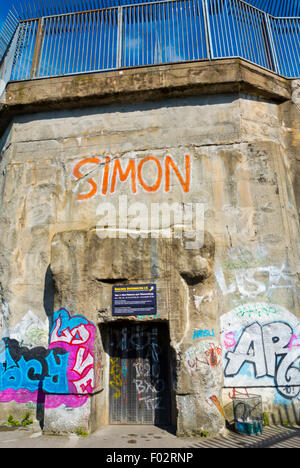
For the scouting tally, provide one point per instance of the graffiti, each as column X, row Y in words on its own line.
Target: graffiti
column 256, row 310
column 207, row 353
column 31, row 331
column 203, row 333
column 64, row 371
column 217, row 403
column 263, row 350
column 138, row 372
column 144, row 386
column 116, row 379
column 143, row 317
column 135, row 172
column 261, row 346
column 27, row 369
column 76, row 335
column 150, row 348
column 236, row 393
column 148, row 382
column 125, row 367
column 295, row 341
column 152, row 403
column 247, row 284
column 229, row 340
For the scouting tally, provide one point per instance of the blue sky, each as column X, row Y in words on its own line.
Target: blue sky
column 5, row 5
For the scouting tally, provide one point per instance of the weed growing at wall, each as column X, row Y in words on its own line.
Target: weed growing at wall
column 26, row 421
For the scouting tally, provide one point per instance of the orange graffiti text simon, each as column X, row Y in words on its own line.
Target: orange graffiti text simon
column 136, row 173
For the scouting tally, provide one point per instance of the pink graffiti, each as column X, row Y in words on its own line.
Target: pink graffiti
column 76, row 336
column 78, row 342
column 75, row 379
column 229, row 341
column 235, row 393
column 291, row 343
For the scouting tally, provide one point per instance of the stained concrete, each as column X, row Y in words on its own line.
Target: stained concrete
column 224, row 135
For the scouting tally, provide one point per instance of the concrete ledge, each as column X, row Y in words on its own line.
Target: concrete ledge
column 138, row 84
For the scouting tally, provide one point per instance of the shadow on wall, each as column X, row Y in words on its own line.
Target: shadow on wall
column 286, row 415
column 49, row 294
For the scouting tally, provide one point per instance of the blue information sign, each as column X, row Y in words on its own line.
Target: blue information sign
column 134, row 299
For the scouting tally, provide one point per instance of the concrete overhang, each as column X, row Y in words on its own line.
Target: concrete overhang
column 140, row 84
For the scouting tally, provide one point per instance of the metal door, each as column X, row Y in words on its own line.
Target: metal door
column 139, row 376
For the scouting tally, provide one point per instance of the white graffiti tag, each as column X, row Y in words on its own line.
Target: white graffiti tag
column 262, row 349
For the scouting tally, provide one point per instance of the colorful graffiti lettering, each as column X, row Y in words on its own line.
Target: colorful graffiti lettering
column 116, row 379
column 263, row 349
column 203, row 333
column 236, row 393
column 26, row 369
column 76, row 335
column 135, row 169
column 295, row 341
column 208, row 353
column 64, row 372
column 229, row 340
column 143, row 317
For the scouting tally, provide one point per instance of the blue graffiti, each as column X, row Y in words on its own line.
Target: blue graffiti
column 67, row 322
column 203, row 333
column 47, row 370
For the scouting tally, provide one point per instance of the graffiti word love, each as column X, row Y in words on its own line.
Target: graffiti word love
column 76, row 335
column 147, row 173
column 64, row 371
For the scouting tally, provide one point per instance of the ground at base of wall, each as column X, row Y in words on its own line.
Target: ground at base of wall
column 136, row 437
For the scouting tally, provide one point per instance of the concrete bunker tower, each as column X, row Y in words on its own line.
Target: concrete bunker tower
column 149, row 212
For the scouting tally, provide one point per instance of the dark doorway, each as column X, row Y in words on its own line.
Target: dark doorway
column 139, row 376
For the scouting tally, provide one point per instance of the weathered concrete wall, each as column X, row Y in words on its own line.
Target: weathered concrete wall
column 292, row 117
column 232, row 305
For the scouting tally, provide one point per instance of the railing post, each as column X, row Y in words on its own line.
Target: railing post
column 271, row 44
column 37, row 48
column 208, row 37
column 120, row 37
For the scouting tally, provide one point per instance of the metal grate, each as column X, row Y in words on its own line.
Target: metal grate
column 139, row 383
column 240, row 30
column 163, row 32
column 286, row 37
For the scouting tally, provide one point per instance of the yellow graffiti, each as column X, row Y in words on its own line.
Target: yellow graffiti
column 116, row 379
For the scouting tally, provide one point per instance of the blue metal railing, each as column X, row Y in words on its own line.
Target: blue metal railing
column 153, row 33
